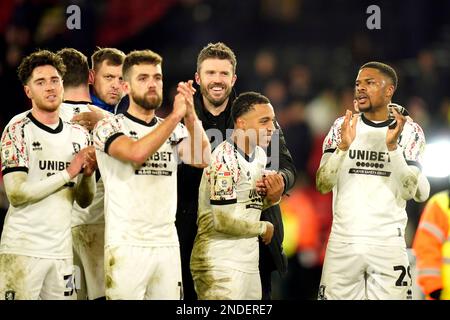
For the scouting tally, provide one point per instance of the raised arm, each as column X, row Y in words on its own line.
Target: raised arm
column 108, row 137
column 335, row 148
column 411, row 181
column 195, row 150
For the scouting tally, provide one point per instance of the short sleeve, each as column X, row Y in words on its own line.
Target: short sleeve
column 223, row 174
column 105, row 132
column 333, row 137
column 14, row 150
column 412, row 140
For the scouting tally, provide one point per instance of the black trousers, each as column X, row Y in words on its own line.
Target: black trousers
column 186, row 224
column 266, row 267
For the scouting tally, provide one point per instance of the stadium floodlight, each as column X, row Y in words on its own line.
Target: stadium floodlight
column 436, row 160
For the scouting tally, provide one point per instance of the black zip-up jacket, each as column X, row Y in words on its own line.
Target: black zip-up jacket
column 189, row 182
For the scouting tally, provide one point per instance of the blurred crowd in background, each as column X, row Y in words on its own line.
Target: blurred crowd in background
column 302, row 54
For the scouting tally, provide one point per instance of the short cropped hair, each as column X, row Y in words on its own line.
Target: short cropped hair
column 112, row 56
column 383, row 68
column 217, row 50
column 245, row 102
column 77, row 67
column 137, row 57
column 37, row 59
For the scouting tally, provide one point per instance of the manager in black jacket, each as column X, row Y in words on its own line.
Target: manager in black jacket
column 216, row 75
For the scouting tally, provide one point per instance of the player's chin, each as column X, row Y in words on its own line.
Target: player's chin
column 364, row 107
column 51, row 106
column 264, row 142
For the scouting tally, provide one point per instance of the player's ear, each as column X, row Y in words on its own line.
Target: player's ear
column 197, row 78
column 233, row 80
column 91, row 76
column 28, row 91
column 126, row 86
column 240, row 123
column 390, row 91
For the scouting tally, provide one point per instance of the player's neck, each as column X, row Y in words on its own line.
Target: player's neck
column 44, row 116
column 80, row 93
column 380, row 114
column 243, row 142
column 215, row 111
column 141, row 113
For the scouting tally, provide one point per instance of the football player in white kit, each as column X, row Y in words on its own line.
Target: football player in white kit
column 138, row 154
column 224, row 260
column 371, row 161
column 41, row 157
column 88, row 224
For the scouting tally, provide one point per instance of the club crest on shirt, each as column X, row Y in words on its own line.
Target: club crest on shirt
column 76, row 147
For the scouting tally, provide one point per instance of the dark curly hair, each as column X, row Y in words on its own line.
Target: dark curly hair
column 37, row 59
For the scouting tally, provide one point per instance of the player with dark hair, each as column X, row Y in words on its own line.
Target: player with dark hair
column 88, row 224
column 41, row 157
column 216, row 76
column 224, row 261
column 371, row 161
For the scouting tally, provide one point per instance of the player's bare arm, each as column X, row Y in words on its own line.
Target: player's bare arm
column 138, row 151
column 194, row 150
column 90, row 118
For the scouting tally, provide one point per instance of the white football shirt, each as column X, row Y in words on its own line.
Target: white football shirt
column 140, row 202
column 228, row 184
column 93, row 214
column 367, row 203
column 40, row 229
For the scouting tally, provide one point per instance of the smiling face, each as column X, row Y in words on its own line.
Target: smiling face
column 373, row 90
column 258, row 124
column 216, row 79
column 45, row 88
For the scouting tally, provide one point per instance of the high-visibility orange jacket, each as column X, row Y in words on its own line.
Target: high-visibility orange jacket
column 432, row 246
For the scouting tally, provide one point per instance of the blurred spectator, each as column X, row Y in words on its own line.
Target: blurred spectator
column 300, row 83
column 297, row 134
column 265, row 65
column 275, row 89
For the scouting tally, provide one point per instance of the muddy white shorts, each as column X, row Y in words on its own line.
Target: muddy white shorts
column 227, row 285
column 30, row 278
column 88, row 250
column 143, row 273
column 361, row 271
